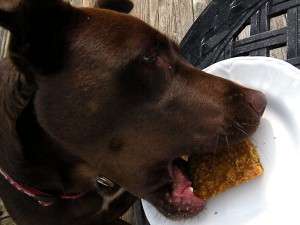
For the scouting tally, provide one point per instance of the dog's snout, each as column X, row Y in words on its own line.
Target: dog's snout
column 257, row 100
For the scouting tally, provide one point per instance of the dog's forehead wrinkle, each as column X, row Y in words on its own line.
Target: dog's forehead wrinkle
column 121, row 26
column 100, row 60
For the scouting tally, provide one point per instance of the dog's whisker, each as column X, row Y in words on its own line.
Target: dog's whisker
column 227, row 142
column 246, row 121
column 117, row 166
column 248, row 124
column 238, row 124
column 97, row 159
column 240, row 127
column 216, row 144
column 215, row 148
column 99, row 166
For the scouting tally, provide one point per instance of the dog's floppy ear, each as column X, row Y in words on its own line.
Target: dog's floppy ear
column 124, row 6
column 37, row 32
column 7, row 11
column 14, row 13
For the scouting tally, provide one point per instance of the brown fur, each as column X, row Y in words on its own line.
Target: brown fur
column 101, row 92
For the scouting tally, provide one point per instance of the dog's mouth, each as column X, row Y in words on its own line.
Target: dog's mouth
column 182, row 196
column 178, row 201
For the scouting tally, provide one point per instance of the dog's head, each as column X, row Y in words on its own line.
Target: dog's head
column 116, row 93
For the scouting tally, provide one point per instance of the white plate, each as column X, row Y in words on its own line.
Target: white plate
column 275, row 196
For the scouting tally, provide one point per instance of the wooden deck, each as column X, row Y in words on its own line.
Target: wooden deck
column 171, row 17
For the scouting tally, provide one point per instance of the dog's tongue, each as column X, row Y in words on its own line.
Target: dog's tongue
column 182, row 193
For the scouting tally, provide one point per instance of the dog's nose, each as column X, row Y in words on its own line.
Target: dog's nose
column 257, row 100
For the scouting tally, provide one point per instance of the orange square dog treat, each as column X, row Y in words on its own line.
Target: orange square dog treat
column 212, row 174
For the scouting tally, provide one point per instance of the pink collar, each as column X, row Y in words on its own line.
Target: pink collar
column 43, row 198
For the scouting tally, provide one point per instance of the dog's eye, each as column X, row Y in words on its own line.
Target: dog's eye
column 151, row 56
column 150, row 59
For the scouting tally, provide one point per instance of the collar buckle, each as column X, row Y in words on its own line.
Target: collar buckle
column 100, row 180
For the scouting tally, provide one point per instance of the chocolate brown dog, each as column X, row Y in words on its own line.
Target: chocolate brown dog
column 96, row 109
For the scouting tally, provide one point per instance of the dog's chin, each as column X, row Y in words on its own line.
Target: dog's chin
column 177, row 201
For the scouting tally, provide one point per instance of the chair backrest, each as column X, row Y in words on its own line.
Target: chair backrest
column 213, row 36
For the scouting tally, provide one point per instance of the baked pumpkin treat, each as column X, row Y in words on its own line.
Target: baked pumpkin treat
column 212, row 174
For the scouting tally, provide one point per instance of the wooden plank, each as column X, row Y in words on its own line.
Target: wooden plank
column 83, row 3
column 7, row 221
column 277, row 23
column 171, row 17
column 4, row 217
column 199, row 6
column 4, row 39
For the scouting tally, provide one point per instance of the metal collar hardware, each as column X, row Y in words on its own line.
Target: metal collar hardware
column 104, row 181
